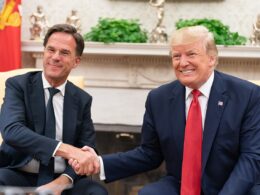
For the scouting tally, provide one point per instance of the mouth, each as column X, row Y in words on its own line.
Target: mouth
column 187, row 72
column 54, row 65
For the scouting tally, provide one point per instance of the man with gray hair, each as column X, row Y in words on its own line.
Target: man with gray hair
column 205, row 126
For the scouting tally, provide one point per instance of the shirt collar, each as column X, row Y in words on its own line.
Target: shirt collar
column 204, row 89
column 46, row 85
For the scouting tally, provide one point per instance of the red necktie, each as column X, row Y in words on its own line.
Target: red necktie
column 191, row 164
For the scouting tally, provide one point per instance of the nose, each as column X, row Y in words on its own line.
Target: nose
column 183, row 60
column 56, row 55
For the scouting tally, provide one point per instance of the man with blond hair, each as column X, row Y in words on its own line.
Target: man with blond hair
column 205, row 126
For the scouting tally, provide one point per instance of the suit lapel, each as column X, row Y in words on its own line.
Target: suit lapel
column 69, row 113
column 37, row 102
column 216, row 105
column 177, row 109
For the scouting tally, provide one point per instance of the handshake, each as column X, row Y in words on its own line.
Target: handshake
column 88, row 164
column 84, row 161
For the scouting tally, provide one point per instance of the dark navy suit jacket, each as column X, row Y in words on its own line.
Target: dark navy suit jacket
column 231, row 137
column 22, row 122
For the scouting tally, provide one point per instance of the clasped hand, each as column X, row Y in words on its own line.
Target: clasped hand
column 88, row 164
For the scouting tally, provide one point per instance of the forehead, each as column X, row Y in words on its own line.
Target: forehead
column 196, row 45
column 61, row 40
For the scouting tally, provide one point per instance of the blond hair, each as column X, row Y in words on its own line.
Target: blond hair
column 191, row 34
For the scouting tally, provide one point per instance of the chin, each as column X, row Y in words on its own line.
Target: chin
column 186, row 80
column 52, row 74
column 189, row 83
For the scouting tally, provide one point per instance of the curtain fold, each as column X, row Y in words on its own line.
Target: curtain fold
column 10, row 35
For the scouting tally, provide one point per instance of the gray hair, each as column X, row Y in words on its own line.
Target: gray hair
column 66, row 28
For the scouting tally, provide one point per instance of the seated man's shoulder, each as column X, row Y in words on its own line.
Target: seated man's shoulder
column 80, row 92
column 23, row 78
column 166, row 88
column 233, row 82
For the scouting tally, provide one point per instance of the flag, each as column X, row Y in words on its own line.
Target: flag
column 10, row 35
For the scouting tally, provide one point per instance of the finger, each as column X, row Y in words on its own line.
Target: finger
column 79, row 172
column 73, row 163
column 96, row 166
column 91, row 169
column 77, row 167
column 70, row 162
column 81, row 168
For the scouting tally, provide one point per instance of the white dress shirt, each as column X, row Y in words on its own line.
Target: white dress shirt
column 58, row 100
column 203, row 100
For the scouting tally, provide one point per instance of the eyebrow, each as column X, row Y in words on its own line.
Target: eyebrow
column 62, row 49
column 65, row 50
column 193, row 50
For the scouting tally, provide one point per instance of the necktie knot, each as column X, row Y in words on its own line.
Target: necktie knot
column 53, row 91
column 196, row 93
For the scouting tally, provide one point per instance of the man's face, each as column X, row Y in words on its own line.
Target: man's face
column 192, row 64
column 59, row 58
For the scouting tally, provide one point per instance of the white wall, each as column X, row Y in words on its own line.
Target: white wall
column 238, row 14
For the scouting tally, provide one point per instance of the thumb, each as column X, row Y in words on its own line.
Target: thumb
column 86, row 148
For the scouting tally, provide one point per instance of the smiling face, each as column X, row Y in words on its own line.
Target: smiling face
column 59, row 58
column 191, row 61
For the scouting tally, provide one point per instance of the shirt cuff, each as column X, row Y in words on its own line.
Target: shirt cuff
column 102, row 175
column 68, row 177
column 57, row 147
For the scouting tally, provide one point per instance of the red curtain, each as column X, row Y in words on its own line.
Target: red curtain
column 10, row 35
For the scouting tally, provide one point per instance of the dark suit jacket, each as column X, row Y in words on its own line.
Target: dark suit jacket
column 231, row 137
column 22, row 122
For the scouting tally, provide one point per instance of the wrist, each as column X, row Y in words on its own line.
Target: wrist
column 64, row 180
column 65, row 151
